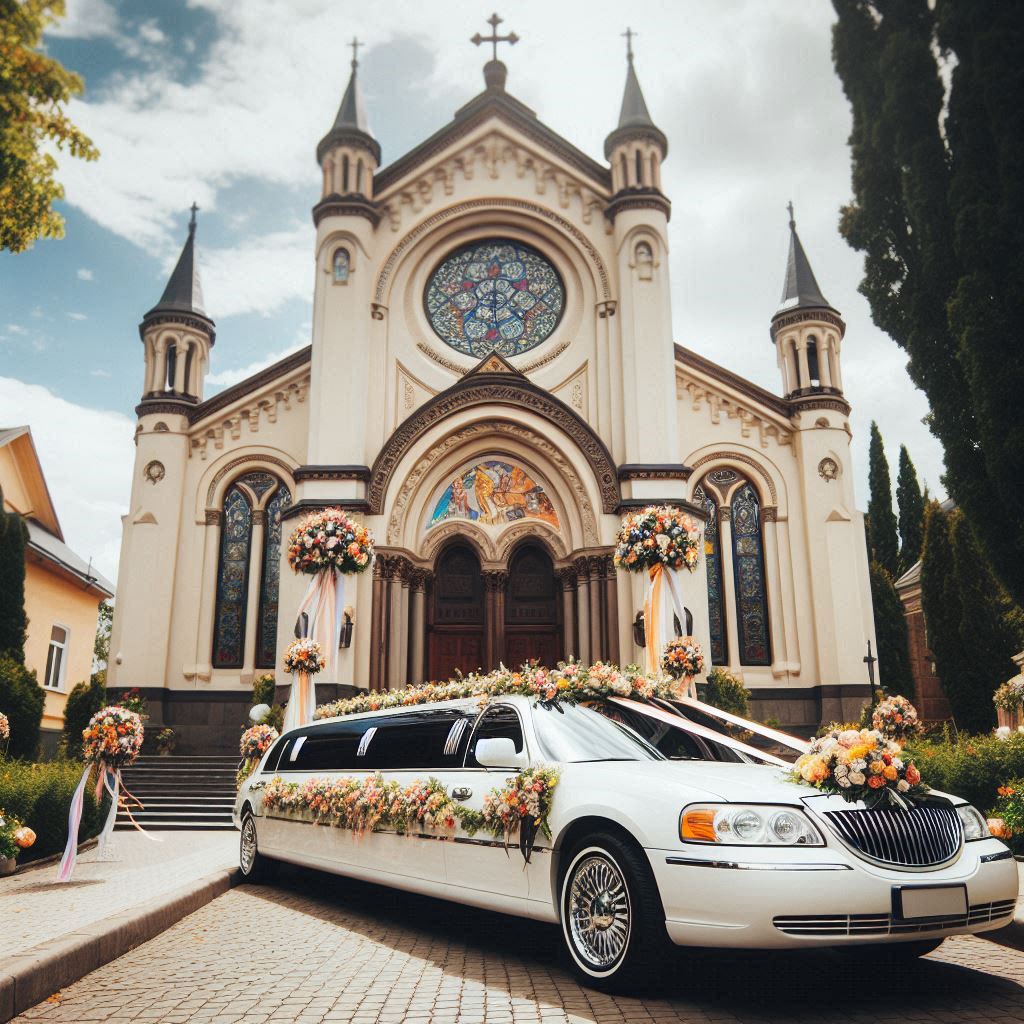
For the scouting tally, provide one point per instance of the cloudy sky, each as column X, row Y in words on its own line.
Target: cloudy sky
column 223, row 102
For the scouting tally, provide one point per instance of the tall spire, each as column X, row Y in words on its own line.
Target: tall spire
column 184, row 293
column 800, row 289
column 351, row 123
column 634, row 117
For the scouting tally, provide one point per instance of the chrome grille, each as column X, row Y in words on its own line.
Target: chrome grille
column 852, row 925
column 918, row 838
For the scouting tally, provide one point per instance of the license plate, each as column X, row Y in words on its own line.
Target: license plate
column 915, row 902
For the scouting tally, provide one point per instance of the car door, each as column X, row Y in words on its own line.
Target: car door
column 481, row 864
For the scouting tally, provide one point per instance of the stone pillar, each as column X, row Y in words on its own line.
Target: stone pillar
column 396, row 655
column 728, row 587
column 208, row 593
column 780, row 659
column 598, row 644
column 418, row 625
column 378, row 618
column 611, row 610
column 583, row 609
column 252, row 605
column 805, row 371
column 495, row 584
column 824, row 361
column 403, row 624
column 180, row 358
column 567, row 580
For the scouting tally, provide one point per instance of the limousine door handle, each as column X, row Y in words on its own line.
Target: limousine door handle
column 462, row 793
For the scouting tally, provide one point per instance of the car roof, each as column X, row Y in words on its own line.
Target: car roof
column 440, row 705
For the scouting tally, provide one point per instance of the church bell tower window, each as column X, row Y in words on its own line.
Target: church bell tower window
column 341, row 266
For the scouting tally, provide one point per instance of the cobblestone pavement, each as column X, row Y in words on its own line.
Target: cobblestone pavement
column 35, row 907
column 314, row 948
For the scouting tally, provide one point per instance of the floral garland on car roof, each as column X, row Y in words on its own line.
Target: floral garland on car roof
column 374, row 804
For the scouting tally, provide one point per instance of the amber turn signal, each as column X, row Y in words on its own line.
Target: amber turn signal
column 698, row 825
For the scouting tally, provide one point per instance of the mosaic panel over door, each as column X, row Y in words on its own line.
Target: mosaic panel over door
column 493, row 493
column 494, row 296
column 748, row 567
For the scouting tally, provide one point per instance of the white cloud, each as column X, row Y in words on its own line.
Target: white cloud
column 151, row 32
column 225, row 378
column 17, row 329
column 77, row 316
column 99, row 373
column 86, row 19
column 84, row 274
column 87, row 457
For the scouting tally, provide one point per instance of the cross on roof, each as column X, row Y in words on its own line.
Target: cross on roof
column 629, row 33
column 494, row 21
column 792, row 218
column 192, row 220
column 355, row 44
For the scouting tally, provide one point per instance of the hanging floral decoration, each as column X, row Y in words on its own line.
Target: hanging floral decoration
column 304, row 655
column 255, row 742
column 897, row 720
column 5, row 728
column 657, row 535
column 520, row 808
column 1008, row 697
column 683, row 658
column 861, row 764
column 329, row 539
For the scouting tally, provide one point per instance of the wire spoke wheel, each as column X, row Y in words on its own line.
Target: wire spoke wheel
column 248, row 851
column 598, row 910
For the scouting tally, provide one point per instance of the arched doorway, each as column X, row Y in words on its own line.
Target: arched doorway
column 531, row 608
column 456, row 619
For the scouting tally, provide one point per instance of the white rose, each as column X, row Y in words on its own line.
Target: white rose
column 857, row 778
column 903, row 785
column 844, row 782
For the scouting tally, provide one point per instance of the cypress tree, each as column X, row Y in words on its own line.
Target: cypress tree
column 910, row 503
column 890, row 634
column 938, row 211
column 883, row 542
column 13, row 623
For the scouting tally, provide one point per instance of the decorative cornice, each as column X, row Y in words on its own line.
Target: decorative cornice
column 632, row 504
column 346, row 206
column 820, row 400
column 197, row 323
column 821, row 315
column 181, row 405
column 733, row 380
column 638, row 199
column 509, row 389
column 348, row 136
column 631, row 132
column 331, row 473
column 213, row 516
column 250, row 384
column 654, row 471
column 305, row 505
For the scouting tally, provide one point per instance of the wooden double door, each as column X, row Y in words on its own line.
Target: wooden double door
column 479, row 619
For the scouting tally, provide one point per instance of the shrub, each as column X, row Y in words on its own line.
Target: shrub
column 723, row 690
column 263, row 688
column 972, row 767
column 84, row 700
column 40, row 795
column 1010, row 807
column 21, row 700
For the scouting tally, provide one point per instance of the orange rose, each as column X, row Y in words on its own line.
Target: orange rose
column 891, row 773
column 913, row 775
column 877, row 767
column 876, row 782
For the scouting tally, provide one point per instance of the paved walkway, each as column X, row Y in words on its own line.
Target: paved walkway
column 313, row 948
column 35, row 908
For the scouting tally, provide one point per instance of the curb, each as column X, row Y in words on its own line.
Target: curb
column 30, row 977
column 53, row 858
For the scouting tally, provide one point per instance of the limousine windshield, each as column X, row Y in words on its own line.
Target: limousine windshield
column 571, row 733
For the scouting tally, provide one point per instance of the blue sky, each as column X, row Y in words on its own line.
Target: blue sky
column 223, row 103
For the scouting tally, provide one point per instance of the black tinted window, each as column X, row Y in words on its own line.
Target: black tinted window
column 672, row 742
column 419, row 739
column 270, row 765
column 499, row 721
column 328, row 748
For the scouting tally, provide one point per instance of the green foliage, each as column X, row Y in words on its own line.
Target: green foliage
column 166, row 740
column 883, row 544
column 1010, row 807
column 263, row 688
column 972, row 767
column 9, row 824
column 275, row 717
column 132, row 700
column 937, row 211
column 40, row 794
column 890, row 633
column 101, row 644
column 910, row 503
column 723, row 690
column 13, row 537
column 34, row 91
column 84, row 700
column 21, row 700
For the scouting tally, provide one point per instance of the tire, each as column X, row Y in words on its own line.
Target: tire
column 253, row 865
column 613, row 922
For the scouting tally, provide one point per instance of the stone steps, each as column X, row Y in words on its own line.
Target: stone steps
column 181, row 793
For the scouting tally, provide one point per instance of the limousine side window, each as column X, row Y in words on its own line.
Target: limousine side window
column 328, row 748
column 270, row 766
column 419, row 739
column 497, row 722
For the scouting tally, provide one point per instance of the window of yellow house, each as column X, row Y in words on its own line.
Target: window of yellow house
column 55, row 658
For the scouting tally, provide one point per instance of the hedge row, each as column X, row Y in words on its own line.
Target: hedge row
column 40, row 795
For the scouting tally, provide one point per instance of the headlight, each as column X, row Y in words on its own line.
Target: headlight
column 974, row 823
column 747, row 825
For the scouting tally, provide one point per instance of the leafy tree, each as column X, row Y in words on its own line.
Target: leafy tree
column 84, row 700
column 938, row 211
column 34, row 89
column 101, row 645
column 883, row 544
column 890, row 633
column 13, row 621
column 910, row 502
column 21, row 700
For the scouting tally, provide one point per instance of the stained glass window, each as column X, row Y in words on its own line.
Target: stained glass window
column 266, row 639
column 232, row 580
column 341, row 266
column 748, row 567
column 494, row 296
column 713, row 561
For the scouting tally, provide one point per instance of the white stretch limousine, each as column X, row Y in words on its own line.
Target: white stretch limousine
column 781, row 864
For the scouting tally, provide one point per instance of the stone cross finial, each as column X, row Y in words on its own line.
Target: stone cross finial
column 629, row 33
column 494, row 21
column 192, row 220
column 355, row 44
column 792, row 218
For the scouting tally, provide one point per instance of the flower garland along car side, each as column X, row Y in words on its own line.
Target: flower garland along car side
column 520, row 807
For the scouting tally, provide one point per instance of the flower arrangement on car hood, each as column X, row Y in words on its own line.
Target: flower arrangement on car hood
column 860, row 764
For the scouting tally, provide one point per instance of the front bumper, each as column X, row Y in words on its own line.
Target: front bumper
column 758, row 898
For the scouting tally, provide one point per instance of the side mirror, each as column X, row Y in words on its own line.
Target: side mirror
column 499, row 752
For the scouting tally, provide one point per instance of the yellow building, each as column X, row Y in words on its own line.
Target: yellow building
column 62, row 592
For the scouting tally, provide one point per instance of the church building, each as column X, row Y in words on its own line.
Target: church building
column 492, row 383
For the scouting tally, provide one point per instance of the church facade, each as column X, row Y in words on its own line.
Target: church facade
column 492, row 383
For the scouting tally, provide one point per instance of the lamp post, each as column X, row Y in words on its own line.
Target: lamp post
column 869, row 660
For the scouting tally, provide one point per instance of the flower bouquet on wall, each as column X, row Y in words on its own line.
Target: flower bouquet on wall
column 1009, row 702
column 660, row 540
column 303, row 659
column 897, row 720
column 111, row 741
column 327, row 546
column 255, row 742
column 683, row 660
column 861, row 764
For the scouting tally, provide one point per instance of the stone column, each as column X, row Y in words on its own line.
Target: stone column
column 418, row 625
column 598, row 642
column 403, row 624
column 208, row 592
column 378, row 617
column 160, row 366
column 396, row 656
column 583, row 608
column 824, row 363
column 252, row 603
column 495, row 584
column 611, row 609
column 728, row 586
column 180, row 358
column 769, row 515
column 567, row 580
column 805, row 371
